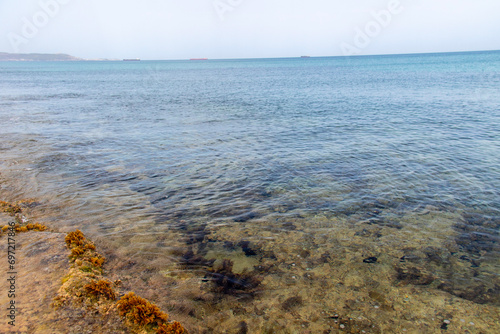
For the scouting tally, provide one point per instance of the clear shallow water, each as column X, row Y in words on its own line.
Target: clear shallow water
column 383, row 155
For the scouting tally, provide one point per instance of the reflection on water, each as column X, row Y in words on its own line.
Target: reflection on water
column 346, row 196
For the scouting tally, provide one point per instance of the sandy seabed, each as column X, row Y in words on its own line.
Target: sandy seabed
column 317, row 275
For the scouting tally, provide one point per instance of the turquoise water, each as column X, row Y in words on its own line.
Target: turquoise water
column 123, row 149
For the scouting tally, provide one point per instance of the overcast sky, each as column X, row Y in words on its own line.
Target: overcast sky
column 179, row 29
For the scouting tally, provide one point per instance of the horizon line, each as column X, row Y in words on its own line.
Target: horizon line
column 256, row 58
column 337, row 56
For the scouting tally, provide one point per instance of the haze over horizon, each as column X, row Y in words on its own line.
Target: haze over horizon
column 169, row 29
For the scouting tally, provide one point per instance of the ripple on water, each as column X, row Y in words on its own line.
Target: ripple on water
column 301, row 188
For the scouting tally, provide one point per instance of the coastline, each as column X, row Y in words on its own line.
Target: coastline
column 46, row 295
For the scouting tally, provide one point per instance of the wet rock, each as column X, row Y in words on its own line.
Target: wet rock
column 371, row 259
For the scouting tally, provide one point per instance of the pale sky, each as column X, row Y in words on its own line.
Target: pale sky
column 180, row 29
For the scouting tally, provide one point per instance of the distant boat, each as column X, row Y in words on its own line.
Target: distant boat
column 305, row 56
column 132, row 59
column 198, row 59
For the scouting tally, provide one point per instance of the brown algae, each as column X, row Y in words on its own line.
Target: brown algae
column 225, row 281
column 102, row 288
column 11, row 209
column 172, row 328
column 25, row 228
column 138, row 311
column 85, row 277
column 22, row 224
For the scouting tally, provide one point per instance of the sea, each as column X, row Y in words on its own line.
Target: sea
column 357, row 194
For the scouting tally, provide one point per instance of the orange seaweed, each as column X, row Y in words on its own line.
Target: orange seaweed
column 29, row 227
column 140, row 311
column 75, row 238
column 171, row 328
column 77, row 251
column 97, row 261
column 11, row 209
column 101, row 288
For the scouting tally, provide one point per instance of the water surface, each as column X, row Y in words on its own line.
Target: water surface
column 299, row 170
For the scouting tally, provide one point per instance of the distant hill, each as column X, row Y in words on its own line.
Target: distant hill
column 36, row 57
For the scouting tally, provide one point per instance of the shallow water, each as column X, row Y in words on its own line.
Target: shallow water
column 303, row 171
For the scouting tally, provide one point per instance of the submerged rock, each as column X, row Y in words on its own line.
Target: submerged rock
column 413, row 275
column 371, row 259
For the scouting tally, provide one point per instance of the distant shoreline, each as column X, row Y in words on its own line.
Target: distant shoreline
column 5, row 56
